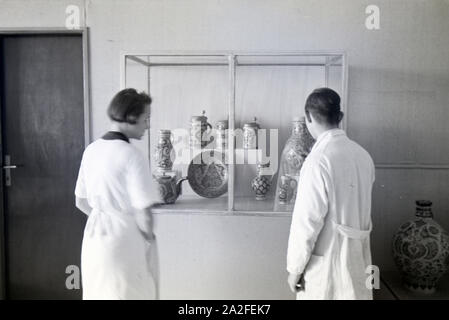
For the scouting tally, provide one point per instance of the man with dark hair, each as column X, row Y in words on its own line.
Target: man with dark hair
column 324, row 104
column 329, row 248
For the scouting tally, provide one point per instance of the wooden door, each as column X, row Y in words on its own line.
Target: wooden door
column 43, row 134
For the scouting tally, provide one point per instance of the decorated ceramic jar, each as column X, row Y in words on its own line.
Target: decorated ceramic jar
column 261, row 184
column 287, row 189
column 297, row 147
column 222, row 135
column 250, row 130
column 164, row 154
column 200, row 132
column 170, row 188
column 421, row 250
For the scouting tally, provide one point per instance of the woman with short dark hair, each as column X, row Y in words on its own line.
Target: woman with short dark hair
column 114, row 189
column 128, row 105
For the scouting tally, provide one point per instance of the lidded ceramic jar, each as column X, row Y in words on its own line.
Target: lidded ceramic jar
column 222, row 135
column 250, row 130
column 200, row 131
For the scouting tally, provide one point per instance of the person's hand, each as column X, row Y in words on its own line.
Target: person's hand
column 295, row 282
column 149, row 237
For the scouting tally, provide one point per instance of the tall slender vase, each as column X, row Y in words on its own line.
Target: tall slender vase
column 295, row 151
column 164, row 154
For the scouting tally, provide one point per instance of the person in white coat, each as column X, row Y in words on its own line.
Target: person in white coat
column 114, row 189
column 329, row 242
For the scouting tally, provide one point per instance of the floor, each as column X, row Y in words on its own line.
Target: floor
column 391, row 289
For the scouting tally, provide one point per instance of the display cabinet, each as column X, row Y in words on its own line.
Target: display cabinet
column 255, row 95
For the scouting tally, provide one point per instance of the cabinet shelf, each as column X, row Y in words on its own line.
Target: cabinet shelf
column 218, row 206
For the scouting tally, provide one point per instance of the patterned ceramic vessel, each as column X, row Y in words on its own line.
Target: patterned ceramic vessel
column 222, row 135
column 208, row 174
column 287, row 189
column 297, row 147
column 169, row 187
column 261, row 184
column 421, row 250
column 250, row 134
column 200, row 132
column 164, row 154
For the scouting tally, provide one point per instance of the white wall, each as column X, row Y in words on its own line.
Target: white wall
column 398, row 107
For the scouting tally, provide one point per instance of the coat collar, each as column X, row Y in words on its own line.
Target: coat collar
column 115, row 135
column 326, row 135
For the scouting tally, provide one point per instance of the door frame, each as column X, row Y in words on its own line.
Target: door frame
column 84, row 32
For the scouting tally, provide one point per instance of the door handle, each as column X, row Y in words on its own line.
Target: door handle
column 10, row 167
column 7, row 167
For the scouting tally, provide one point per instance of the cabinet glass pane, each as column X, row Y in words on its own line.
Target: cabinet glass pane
column 269, row 89
column 182, row 87
column 273, row 89
column 274, row 95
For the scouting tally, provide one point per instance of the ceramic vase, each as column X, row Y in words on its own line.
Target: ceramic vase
column 261, row 184
column 297, row 147
column 421, row 250
column 287, row 189
column 164, row 153
column 295, row 151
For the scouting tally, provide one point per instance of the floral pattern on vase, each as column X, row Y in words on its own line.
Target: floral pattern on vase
column 421, row 250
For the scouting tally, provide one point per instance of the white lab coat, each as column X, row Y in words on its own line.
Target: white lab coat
column 115, row 179
column 331, row 222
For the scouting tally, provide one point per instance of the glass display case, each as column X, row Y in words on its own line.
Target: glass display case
column 227, row 117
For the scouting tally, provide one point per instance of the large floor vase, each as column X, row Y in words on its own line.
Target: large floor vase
column 421, row 250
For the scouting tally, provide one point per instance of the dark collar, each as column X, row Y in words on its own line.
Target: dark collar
column 115, row 135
